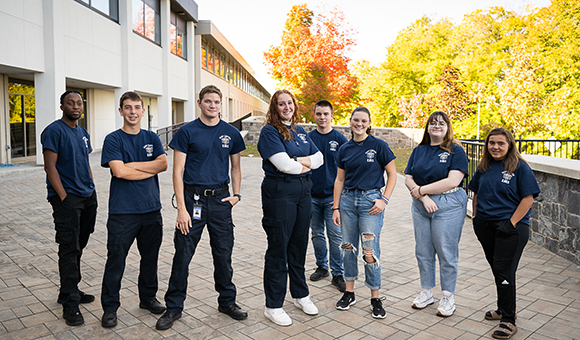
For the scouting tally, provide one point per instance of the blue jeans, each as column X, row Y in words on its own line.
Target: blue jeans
column 321, row 217
column 357, row 223
column 439, row 233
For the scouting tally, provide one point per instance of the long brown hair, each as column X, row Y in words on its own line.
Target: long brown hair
column 448, row 140
column 273, row 116
column 512, row 159
column 365, row 110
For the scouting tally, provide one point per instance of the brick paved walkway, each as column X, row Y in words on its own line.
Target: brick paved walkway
column 548, row 292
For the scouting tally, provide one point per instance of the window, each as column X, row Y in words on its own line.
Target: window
column 146, row 19
column 22, row 108
column 178, row 36
column 204, row 56
column 108, row 8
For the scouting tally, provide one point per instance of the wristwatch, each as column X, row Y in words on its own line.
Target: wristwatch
column 238, row 196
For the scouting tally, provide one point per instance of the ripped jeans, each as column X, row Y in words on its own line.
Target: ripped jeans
column 358, row 224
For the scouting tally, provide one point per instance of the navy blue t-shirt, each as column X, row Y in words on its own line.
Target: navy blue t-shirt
column 272, row 142
column 365, row 164
column 499, row 193
column 208, row 149
column 323, row 177
column 429, row 164
column 73, row 146
column 132, row 197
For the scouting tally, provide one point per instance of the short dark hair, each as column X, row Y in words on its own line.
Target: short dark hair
column 209, row 89
column 63, row 96
column 131, row 96
column 323, row 103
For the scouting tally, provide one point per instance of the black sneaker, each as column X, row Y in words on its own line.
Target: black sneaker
column 73, row 318
column 85, row 298
column 319, row 274
column 346, row 301
column 338, row 281
column 377, row 308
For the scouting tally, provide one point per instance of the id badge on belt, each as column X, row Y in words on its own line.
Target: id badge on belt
column 196, row 208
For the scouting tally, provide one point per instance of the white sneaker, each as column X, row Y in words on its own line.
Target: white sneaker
column 306, row 305
column 446, row 304
column 424, row 299
column 278, row 316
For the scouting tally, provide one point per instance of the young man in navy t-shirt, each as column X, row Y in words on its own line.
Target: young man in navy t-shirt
column 71, row 192
column 202, row 151
column 135, row 157
column 328, row 141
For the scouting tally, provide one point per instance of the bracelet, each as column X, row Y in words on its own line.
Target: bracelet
column 385, row 199
column 419, row 191
column 238, row 196
column 335, row 209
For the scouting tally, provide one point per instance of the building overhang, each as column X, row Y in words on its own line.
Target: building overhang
column 187, row 9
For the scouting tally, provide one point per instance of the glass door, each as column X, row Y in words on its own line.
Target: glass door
column 22, row 118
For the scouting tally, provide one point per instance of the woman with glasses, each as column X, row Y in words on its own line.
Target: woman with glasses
column 434, row 174
column 359, row 205
column 504, row 187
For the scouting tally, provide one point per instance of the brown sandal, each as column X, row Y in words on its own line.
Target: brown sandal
column 495, row 315
column 505, row 330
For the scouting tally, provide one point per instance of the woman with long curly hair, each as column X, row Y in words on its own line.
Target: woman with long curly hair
column 504, row 187
column 288, row 156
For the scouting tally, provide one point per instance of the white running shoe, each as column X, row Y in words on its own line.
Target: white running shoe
column 278, row 316
column 424, row 299
column 306, row 305
column 446, row 304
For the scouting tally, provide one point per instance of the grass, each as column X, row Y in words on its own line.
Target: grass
column 400, row 161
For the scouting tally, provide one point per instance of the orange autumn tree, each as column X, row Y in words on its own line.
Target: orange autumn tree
column 311, row 60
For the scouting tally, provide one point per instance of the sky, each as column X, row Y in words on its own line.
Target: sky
column 252, row 26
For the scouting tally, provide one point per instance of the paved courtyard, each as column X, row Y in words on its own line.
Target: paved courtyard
column 548, row 286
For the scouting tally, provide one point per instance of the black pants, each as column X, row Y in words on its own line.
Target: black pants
column 287, row 206
column 503, row 246
column 217, row 215
column 74, row 222
column 122, row 230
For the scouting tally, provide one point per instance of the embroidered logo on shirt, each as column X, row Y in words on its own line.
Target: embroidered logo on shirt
column 86, row 142
column 506, row 177
column 333, row 144
column 303, row 137
column 443, row 157
column 370, row 155
column 225, row 141
column 149, row 149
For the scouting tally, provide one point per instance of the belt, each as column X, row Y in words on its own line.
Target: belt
column 451, row 191
column 289, row 178
column 206, row 192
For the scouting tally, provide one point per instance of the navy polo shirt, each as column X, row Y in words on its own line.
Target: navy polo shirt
column 428, row 164
column 365, row 164
column 272, row 142
column 499, row 193
column 73, row 146
column 323, row 177
column 132, row 197
column 208, row 149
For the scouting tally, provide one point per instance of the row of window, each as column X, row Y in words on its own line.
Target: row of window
column 146, row 21
column 229, row 69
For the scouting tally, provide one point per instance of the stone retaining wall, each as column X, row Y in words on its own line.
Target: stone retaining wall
column 555, row 218
column 397, row 138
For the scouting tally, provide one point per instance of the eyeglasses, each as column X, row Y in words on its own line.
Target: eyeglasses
column 436, row 123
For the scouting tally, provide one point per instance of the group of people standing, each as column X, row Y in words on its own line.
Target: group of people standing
column 317, row 181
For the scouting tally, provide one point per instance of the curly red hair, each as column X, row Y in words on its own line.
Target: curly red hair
column 273, row 116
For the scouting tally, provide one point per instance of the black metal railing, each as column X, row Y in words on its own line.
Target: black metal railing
column 166, row 133
column 561, row 148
